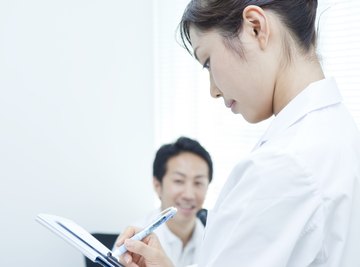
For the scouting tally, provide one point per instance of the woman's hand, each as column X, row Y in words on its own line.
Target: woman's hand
column 145, row 253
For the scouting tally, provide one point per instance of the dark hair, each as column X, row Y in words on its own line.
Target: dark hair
column 183, row 144
column 226, row 17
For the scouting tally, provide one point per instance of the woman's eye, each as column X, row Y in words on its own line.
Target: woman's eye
column 207, row 64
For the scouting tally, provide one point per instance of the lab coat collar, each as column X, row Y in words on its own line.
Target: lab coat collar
column 317, row 95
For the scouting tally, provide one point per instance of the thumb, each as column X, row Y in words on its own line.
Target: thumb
column 151, row 252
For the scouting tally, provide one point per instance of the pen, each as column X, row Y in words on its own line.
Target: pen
column 163, row 217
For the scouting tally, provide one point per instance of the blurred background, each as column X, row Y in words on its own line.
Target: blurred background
column 90, row 89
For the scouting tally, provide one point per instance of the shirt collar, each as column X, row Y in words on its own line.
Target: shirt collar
column 317, row 95
column 198, row 231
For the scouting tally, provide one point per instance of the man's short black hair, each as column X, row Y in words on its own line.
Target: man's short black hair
column 183, row 144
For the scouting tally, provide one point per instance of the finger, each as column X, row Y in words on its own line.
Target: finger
column 117, row 241
column 131, row 260
column 126, row 260
column 148, row 251
column 140, row 248
column 129, row 232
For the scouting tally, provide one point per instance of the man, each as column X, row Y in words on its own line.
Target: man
column 182, row 172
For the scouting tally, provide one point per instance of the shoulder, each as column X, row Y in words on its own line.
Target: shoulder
column 199, row 228
column 269, row 173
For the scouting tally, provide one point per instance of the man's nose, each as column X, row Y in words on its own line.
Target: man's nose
column 189, row 191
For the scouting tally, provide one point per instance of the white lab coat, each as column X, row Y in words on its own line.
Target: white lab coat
column 294, row 201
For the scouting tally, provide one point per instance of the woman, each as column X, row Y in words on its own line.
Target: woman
column 294, row 201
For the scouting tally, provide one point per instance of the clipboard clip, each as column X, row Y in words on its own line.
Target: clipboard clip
column 113, row 260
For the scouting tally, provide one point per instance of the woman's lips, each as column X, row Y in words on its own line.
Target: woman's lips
column 228, row 104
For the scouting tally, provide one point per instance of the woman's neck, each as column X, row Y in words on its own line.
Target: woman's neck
column 294, row 78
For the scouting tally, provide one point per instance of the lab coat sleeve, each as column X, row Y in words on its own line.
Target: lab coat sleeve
column 269, row 214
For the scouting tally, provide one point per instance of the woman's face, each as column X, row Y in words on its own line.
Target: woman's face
column 246, row 83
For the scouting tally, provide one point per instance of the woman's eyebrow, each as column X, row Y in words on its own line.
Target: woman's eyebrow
column 196, row 57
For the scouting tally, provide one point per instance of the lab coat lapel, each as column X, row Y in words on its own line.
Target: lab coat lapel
column 317, row 95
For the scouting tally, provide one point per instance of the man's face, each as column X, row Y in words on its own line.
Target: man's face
column 184, row 185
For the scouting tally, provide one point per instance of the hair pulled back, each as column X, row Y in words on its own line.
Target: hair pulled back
column 226, row 17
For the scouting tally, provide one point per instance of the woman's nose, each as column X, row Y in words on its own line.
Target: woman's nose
column 214, row 91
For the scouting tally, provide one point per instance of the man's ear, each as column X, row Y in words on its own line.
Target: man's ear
column 157, row 186
column 255, row 23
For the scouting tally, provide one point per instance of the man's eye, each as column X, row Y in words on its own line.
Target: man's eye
column 199, row 184
column 207, row 64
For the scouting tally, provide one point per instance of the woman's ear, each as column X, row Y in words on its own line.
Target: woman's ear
column 255, row 23
column 157, row 186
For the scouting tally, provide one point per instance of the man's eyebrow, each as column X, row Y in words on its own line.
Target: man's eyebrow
column 179, row 173
column 201, row 176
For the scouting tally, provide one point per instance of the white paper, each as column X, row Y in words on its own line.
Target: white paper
column 75, row 235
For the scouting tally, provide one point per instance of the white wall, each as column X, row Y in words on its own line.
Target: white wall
column 76, row 121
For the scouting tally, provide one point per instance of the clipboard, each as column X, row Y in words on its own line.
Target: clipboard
column 79, row 238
